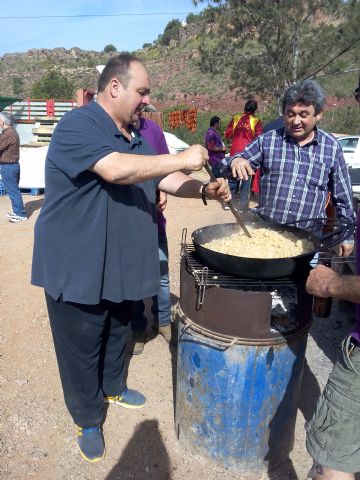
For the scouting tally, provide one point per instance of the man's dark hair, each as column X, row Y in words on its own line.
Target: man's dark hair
column 250, row 106
column 214, row 120
column 307, row 92
column 118, row 67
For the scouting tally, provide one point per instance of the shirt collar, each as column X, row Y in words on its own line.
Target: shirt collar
column 110, row 124
column 314, row 141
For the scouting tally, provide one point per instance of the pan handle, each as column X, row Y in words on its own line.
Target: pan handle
column 344, row 229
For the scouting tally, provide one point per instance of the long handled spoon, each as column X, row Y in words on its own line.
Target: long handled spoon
column 231, row 206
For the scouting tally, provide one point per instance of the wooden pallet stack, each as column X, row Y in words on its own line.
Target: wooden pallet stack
column 43, row 132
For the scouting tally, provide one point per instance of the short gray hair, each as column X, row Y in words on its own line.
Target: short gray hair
column 307, row 92
column 7, row 118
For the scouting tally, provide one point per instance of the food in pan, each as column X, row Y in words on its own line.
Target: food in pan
column 265, row 243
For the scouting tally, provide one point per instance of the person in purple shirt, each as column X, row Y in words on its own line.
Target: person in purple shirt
column 214, row 144
column 161, row 306
column 216, row 150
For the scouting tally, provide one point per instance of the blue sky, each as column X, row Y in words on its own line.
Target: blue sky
column 88, row 33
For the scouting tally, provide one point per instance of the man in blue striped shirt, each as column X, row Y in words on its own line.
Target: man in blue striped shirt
column 299, row 164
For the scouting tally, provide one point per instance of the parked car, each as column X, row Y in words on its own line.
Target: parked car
column 175, row 145
column 351, row 148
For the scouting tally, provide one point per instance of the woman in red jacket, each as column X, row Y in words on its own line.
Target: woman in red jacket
column 243, row 129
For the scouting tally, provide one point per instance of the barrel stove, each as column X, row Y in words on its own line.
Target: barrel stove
column 241, row 350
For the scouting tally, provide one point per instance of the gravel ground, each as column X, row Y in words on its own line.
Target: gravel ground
column 38, row 438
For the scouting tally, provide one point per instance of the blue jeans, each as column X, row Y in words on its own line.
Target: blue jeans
column 10, row 175
column 161, row 306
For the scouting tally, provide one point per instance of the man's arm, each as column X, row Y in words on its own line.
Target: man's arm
column 324, row 282
column 244, row 164
column 182, row 185
column 125, row 169
column 7, row 138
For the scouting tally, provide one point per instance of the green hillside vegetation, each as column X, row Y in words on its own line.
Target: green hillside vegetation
column 247, row 48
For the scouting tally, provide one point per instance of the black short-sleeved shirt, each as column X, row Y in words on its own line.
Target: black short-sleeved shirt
column 94, row 240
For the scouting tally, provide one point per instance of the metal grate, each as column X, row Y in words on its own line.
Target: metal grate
column 205, row 276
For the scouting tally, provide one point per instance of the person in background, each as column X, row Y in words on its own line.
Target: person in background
column 10, row 167
column 300, row 164
column 161, row 306
column 333, row 433
column 333, row 436
column 96, row 245
column 243, row 129
column 215, row 147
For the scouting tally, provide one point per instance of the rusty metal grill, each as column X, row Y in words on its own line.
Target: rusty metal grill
column 205, row 276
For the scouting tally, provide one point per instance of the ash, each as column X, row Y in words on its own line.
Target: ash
column 283, row 309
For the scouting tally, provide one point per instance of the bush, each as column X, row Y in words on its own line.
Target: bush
column 171, row 32
column 110, row 48
column 193, row 18
column 53, row 85
column 342, row 120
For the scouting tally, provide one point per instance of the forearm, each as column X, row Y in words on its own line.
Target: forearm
column 325, row 282
column 346, row 288
column 181, row 185
column 125, row 169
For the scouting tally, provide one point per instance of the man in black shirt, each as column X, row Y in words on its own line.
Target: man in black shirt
column 96, row 246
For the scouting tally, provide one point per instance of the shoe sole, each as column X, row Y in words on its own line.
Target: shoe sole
column 91, row 460
column 125, row 405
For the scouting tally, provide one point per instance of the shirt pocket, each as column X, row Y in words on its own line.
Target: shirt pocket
column 318, row 175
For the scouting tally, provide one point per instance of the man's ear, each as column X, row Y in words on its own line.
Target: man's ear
column 319, row 116
column 115, row 87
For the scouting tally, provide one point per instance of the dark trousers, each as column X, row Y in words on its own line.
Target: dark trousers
column 90, row 345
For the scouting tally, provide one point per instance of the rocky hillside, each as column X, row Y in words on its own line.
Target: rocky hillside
column 176, row 78
column 175, row 75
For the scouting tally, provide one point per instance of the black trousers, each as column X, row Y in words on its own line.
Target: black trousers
column 90, row 345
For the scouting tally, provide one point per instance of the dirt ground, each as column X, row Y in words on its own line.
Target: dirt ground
column 38, row 438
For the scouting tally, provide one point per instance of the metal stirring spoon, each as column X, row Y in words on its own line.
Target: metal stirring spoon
column 230, row 204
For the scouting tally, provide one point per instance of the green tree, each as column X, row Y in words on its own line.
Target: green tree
column 110, row 48
column 18, row 86
column 171, row 32
column 269, row 44
column 53, row 85
column 193, row 18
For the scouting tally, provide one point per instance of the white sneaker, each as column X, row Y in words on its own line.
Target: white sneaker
column 11, row 214
column 17, row 219
column 226, row 206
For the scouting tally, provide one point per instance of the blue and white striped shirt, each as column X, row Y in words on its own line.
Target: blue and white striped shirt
column 295, row 180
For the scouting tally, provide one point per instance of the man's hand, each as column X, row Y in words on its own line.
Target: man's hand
column 161, row 205
column 194, row 157
column 345, row 249
column 218, row 190
column 241, row 169
column 323, row 282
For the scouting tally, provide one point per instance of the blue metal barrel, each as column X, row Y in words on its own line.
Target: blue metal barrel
column 236, row 403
